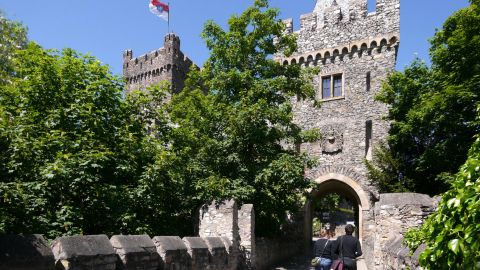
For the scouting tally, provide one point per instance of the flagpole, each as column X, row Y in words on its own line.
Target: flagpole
column 168, row 23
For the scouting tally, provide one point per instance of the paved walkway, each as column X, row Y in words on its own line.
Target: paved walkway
column 303, row 263
column 297, row 263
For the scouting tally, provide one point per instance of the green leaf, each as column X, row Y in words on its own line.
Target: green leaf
column 454, row 245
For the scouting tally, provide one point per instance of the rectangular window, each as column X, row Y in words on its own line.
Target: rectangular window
column 337, row 85
column 326, row 85
column 368, row 81
column 332, row 86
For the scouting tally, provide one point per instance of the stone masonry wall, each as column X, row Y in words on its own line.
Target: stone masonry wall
column 165, row 64
column 343, row 121
column 395, row 213
column 397, row 255
column 121, row 252
column 356, row 45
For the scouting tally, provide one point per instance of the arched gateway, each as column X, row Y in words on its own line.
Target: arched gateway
column 347, row 187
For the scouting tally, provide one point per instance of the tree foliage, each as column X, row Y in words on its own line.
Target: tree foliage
column 452, row 232
column 433, row 110
column 13, row 36
column 73, row 151
column 232, row 142
column 78, row 158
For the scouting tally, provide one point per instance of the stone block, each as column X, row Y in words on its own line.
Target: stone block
column 173, row 253
column 84, row 253
column 402, row 199
column 233, row 253
column 198, row 250
column 25, row 252
column 135, row 252
column 218, row 253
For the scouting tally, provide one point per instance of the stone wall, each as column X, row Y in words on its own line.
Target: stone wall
column 121, row 252
column 25, row 252
column 397, row 255
column 231, row 223
column 165, row 64
column 395, row 213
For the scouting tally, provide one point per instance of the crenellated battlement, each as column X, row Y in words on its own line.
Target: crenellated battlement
column 338, row 24
column 165, row 64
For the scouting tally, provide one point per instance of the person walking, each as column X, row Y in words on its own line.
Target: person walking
column 348, row 248
column 323, row 249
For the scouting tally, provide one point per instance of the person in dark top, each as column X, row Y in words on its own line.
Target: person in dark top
column 323, row 249
column 348, row 248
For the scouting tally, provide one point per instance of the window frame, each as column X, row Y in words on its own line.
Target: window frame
column 332, row 77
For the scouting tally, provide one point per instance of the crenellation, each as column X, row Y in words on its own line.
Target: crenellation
column 336, row 23
column 164, row 64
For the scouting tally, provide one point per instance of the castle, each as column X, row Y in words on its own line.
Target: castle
column 355, row 51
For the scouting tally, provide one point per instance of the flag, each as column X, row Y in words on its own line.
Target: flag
column 160, row 9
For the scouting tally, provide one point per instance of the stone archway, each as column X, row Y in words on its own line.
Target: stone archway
column 333, row 182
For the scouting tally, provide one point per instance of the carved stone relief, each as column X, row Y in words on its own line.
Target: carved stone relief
column 332, row 140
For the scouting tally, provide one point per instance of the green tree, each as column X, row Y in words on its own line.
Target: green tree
column 433, row 110
column 72, row 149
column 452, row 232
column 13, row 36
column 232, row 142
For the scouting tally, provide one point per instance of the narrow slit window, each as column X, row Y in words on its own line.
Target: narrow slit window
column 368, row 79
column 368, row 140
column 372, row 6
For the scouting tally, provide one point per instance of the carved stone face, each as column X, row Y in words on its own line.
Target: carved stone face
column 332, row 141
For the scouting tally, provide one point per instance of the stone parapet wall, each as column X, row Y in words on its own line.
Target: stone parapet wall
column 395, row 213
column 173, row 252
column 398, row 256
column 25, row 252
column 272, row 251
column 135, row 252
column 220, row 220
column 121, row 252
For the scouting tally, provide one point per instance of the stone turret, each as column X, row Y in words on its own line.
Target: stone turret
column 165, row 64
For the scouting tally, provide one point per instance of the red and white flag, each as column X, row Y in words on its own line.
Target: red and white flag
column 160, row 9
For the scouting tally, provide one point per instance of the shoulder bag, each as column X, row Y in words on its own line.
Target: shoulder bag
column 316, row 261
column 339, row 264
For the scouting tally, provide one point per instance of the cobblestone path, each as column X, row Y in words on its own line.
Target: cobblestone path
column 297, row 263
column 303, row 263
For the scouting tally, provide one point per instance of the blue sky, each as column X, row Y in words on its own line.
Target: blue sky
column 106, row 28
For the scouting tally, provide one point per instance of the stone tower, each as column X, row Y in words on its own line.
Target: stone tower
column 355, row 50
column 165, row 64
